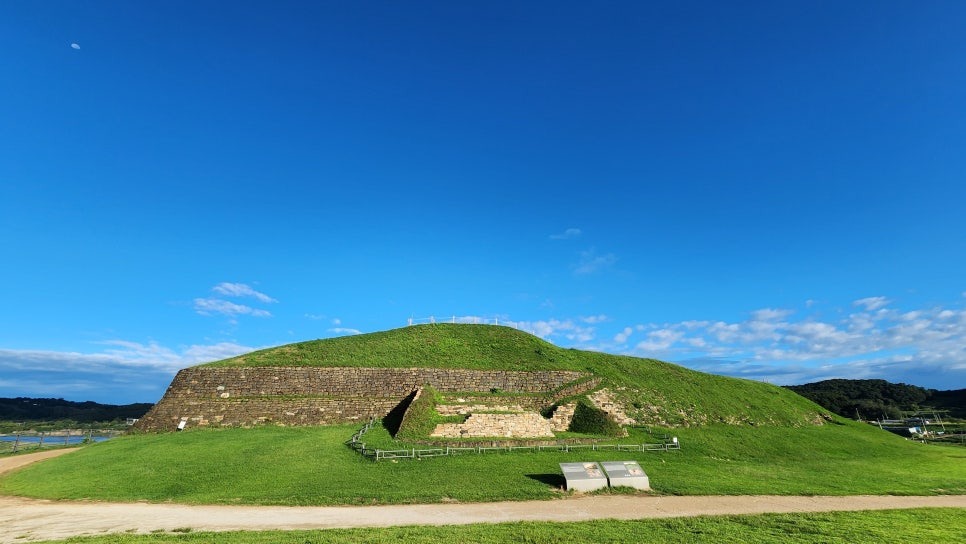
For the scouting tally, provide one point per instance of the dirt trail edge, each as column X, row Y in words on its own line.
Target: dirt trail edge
column 25, row 520
column 14, row 462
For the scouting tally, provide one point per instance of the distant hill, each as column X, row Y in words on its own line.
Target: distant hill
column 873, row 399
column 651, row 392
column 28, row 409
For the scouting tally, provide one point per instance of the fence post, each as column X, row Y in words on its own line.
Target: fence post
column 67, row 438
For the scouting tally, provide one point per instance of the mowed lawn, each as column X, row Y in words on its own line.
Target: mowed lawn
column 312, row 466
column 880, row 527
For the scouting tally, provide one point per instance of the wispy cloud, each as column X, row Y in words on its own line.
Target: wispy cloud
column 568, row 234
column 592, row 319
column 219, row 306
column 875, row 341
column 122, row 371
column 241, row 290
column 624, row 335
column 213, row 306
column 561, row 329
column 872, row 303
column 344, row 331
column 590, row 262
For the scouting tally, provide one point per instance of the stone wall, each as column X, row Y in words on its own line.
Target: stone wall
column 562, row 416
column 525, row 425
column 222, row 396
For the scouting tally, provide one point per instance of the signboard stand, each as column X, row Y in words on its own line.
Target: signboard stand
column 626, row 473
column 584, row 476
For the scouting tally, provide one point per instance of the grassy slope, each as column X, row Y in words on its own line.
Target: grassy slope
column 663, row 393
column 275, row 465
column 311, row 466
column 883, row 527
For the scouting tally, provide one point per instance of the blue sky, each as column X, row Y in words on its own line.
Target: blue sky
column 771, row 190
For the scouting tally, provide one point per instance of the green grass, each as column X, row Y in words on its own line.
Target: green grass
column 880, row 527
column 312, row 466
column 420, row 418
column 654, row 392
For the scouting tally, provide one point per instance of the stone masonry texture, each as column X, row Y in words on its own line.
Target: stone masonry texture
column 219, row 396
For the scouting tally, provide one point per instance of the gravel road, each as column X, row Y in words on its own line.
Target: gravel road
column 25, row 520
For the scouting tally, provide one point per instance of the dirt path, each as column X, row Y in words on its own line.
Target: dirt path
column 25, row 520
column 16, row 461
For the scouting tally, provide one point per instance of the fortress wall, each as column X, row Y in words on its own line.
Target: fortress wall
column 221, row 396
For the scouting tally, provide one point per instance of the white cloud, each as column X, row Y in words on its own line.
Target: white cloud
column 211, row 306
column 218, row 306
column 75, row 46
column 660, row 340
column 897, row 369
column 622, row 336
column 241, row 290
column 315, row 317
column 872, row 303
column 336, row 321
column 591, row 262
column 344, row 331
column 123, row 371
column 875, row 339
column 769, row 314
column 555, row 328
column 566, row 235
column 592, row 319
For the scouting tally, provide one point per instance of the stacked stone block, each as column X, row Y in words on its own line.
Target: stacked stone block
column 245, row 396
column 524, row 425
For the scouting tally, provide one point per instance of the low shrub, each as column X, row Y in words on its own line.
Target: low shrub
column 589, row 419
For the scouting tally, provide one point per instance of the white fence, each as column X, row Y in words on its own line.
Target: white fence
column 470, row 320
column 376, row 454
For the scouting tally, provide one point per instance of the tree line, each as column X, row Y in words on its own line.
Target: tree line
column 29, row 409
column 875, row 399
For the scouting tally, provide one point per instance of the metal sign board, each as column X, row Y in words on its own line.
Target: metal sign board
column 584, row 476
column 626, row 473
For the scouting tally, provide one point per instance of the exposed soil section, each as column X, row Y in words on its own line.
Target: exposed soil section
column 25, row 520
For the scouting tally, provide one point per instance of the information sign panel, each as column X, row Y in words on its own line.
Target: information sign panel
column 626, row 473
column 584, row 476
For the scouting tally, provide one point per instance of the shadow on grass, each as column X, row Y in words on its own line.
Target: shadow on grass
column 553, row 480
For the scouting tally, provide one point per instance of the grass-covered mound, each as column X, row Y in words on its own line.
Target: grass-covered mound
column 312, row 466
column 653, row 392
